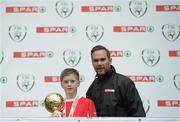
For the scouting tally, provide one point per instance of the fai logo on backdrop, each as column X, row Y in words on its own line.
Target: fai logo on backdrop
column 64, row 8
column 94, row 32
column 17, row 32
column 146, row 105
column 138, row 7
column 25, row 82
column 171, row 32
column 1, row 56
column 25, row 9
column 33, row 54
column 72, row 57
column 151, row 57
column 107, row 8
column 176, row 80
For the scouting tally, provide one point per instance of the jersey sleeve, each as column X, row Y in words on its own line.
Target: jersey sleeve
column 92, row 109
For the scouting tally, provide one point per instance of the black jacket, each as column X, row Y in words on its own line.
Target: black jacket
column 115, row 95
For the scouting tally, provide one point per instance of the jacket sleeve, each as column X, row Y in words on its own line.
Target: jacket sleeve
column 88, row 93
column 134, row 103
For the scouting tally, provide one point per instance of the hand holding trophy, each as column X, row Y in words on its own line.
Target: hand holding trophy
column 54, row 103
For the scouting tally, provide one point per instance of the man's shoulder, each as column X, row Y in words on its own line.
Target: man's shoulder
column 123, row 78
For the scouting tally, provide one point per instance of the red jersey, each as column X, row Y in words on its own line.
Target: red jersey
column 84, row 108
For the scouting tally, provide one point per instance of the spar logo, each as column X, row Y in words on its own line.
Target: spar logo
column 50, row 79
column 120, row 53
column 168, row 8
column 174, row 53
column 33, row 54
column 168, row 103
column 133, row 28
column 25, row 9
column 54, row 79
column 146, row 78
column 22, row 103
column 58, row 29
column 138, row 7
column 171, row 32
column 107, row 8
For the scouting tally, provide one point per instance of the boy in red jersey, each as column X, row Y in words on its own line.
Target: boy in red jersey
column 75, row 106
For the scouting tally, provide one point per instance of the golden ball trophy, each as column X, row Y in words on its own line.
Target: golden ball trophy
column 54, row 103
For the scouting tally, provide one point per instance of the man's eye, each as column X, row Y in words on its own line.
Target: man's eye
column 102, row 59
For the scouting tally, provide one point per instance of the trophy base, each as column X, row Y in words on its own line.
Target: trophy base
column 57, row 114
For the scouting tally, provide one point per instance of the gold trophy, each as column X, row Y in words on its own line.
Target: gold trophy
column 54, row 103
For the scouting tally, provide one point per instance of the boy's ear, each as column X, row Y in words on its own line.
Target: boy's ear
column 78, row 83
column 61, row 84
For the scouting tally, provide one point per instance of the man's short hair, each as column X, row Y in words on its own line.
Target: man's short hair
column 100, row 47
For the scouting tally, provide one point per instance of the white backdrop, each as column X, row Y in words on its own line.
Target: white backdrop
column 39, row 38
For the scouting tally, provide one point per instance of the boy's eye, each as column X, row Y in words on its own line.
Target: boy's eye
column 67, row 81
column 72, row 81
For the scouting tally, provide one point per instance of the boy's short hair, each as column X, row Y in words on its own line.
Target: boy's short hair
column 69, row 71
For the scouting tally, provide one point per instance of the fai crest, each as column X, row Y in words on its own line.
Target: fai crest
column 94, row 32
column 1, row 56
column 177, row 81
column 64, row 8
column 146, row 105
column 171, row 32
column 150, row 57
column 17, row 33
column 72, row 57
column 25, row 82
column 138, row 7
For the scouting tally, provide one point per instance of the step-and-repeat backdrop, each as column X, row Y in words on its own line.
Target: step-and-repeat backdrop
column 39, row 38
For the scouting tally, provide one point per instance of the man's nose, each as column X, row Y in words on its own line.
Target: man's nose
column 99, row 62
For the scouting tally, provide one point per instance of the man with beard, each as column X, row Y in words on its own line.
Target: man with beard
column 114, row 94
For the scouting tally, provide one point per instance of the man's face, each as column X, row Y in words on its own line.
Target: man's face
column 101, row 62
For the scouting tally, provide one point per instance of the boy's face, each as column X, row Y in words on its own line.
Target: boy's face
column 70, row 84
